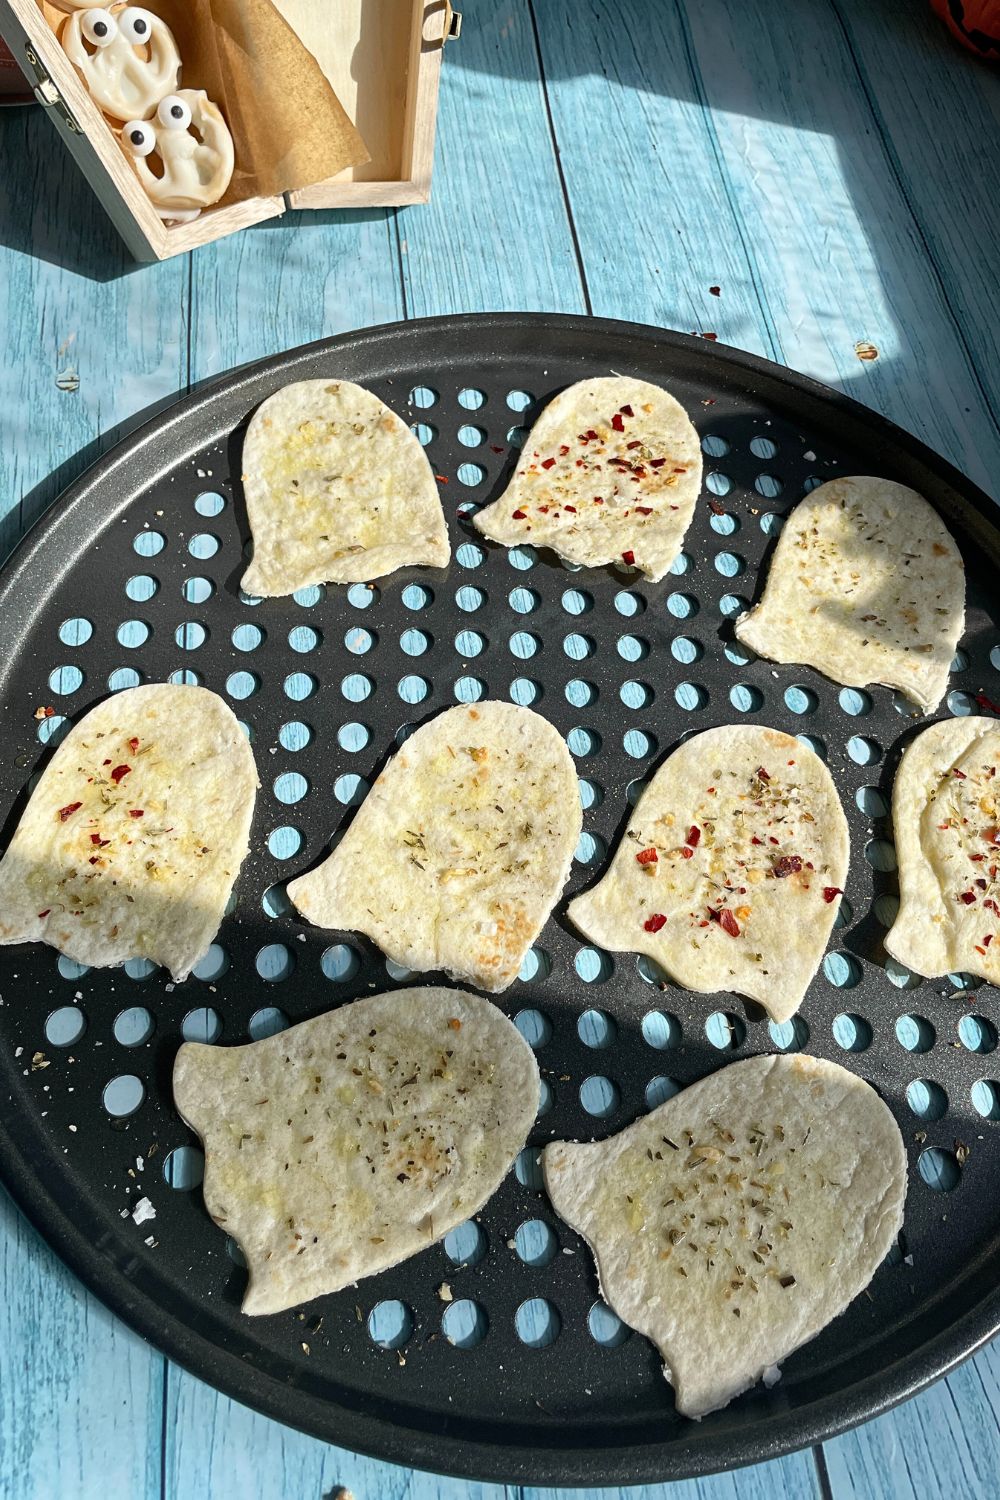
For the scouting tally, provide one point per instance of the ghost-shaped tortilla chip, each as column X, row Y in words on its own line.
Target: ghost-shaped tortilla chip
column 867, row 585
column 192, row 148
column 609, row 473
column 352, row 1141
column 738, row 1219
column 946, row 823
column 133, row 837
column 461, row 848
column 126, row 56
column 338, row 490
column 731, row 869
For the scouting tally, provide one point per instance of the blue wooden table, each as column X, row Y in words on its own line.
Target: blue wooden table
column 801, row 180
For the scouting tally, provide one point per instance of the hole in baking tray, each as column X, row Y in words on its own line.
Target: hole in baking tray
column 209, row 503
column 133, row 1027
column 583, row 742
column 139, row 968
column 915, row 1033
column 247, row 637
column 814, row 743
column 70, row 969
column 843, row 970
column 682, row 606
column 528, row 1168
column 681, row 563
column 659, row 1090
column 591, row 793
column 148, row 543
column 516, row 436
column 535, row 1243
column 63, row 680
column 691, row 696
column 300, row 685
column 351, row 737
column 424, row 432
column 422, row 396
column 142, row 586
column 468, row 555
column 360, row 595
column 545, row 1098
column 413, row 689
column 977, row 1034
column 632, row 647
column 358, row 640
column 536, row 965
column 745, row 698
column 593, row 965
column 606, row 1328
column 202, row 1025
column 634, row 790
column 524, row 645
column 267, row 1021
column 926, row 1099
column 881, row 855
column 203, row 545
column 599, row 1096
column 650, row 971
column 470, row 436
column 123, row 1095
column 523, row 600
column 285, row 842
column 852, row 1033
column 275, row 962
column 537, row 1322
column 872, row 801
column 390, row 1324
column 355, row 687
column 275, row 901
column 629, row 604
column 724, row 524
column 729, row 564
column 340, row 963
column 470, row 689
column 214, row 964
column 636, row 694
column 465, row 1245
column 661, row 1030
column 132, row 634
column 471, row 398
column 397, row 971
column 768, row 485
column 595, row 1028
column 590, row 849
column 939, row 1169
column 464, row 1323
column 958, row 703
column 250, row 600
column 577, row 647
column 763, row 447
column 732, row 605
column 771, row 524
column 960, row 661
column 185, row 677
column 51, row 731
column 577, row 602
column 964, row 981
column 725, row 1031
column 685, row 649
column 580, row 693
column 886, row 909
column 523, row 557
column 303, row 639
column 469, row 643
column 469, row 598
column 240, row 685
column 519, row 400
column 789, row 1036
column 714, row 445
column 190, row 635
column 184, row 1167
column 65, row 1026
column 294, row 735
column 235, row 1253
column 985, row 1096
column 801, row 700
column 864, row 752
column 534, row 1026
column 854, row 701
column 718, row 483
column 76, row 632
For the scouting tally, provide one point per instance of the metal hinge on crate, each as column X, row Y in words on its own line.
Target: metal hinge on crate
column 46, row 92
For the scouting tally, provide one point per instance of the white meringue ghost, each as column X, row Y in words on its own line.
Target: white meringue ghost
column 126, row 56
column 194, row 150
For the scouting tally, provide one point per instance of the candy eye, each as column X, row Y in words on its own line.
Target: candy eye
column 139, row 137
column 173, row 113
column 135, row 25
column 99, row 27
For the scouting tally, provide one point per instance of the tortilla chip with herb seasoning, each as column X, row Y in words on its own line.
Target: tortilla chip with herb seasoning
column 461, row 848
column 133, row 838
column 731, row 868
column 737, row 1220
column 347, row 1143
column 609, row 473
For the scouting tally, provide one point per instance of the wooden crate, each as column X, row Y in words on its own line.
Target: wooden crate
column 383, row 58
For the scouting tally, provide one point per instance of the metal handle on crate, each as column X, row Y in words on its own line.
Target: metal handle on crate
column 452, row 24
column 46, row 92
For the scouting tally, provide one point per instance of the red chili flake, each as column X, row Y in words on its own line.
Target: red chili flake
column 440, row 479
column 647, row 856
column 987, row 940
column 980, row 884
column 686, row 853
column 68, row 811
column 495, row 449
column 991, row 905
column 135, row 812
column 44, row 713
column 94, row 859
column 655, row 922
column 105, row 762
column 592, row 435
column 960, row 774
column 788, row 864
column 762, row 774
column 119, row 773
column 977, row 859
column 581, row 438
column 570, row 508
column 563, row 450
column 629, row 558
column 657, row 463
column 45, row 912
column 710, row 336
column 985, row 702
column 728, row 922
column 694, row 836
column 133, row 743
column 790, row 762
column 598, row 499
column 992, row 836
column 634, row 444
column 644, row 510
column 617, row 423
column 716, row 508
column 716, row 291
column 518, row 515
column 548, row 463
column 967, row 897
column 626, row 411
column 638, row 473
column 95, row 838
column 755, row 840
column 771, row 839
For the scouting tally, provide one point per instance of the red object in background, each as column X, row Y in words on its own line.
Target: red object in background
column 14, row 88
column 976, row 24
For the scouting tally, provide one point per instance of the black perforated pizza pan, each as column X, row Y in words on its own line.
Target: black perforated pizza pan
column 631, row 667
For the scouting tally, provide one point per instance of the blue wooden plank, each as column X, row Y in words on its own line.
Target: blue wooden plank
column 80, row 1396
column 495, row 234
column 87, row 345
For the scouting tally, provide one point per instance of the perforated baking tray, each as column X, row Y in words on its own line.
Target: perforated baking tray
column 133, row 576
